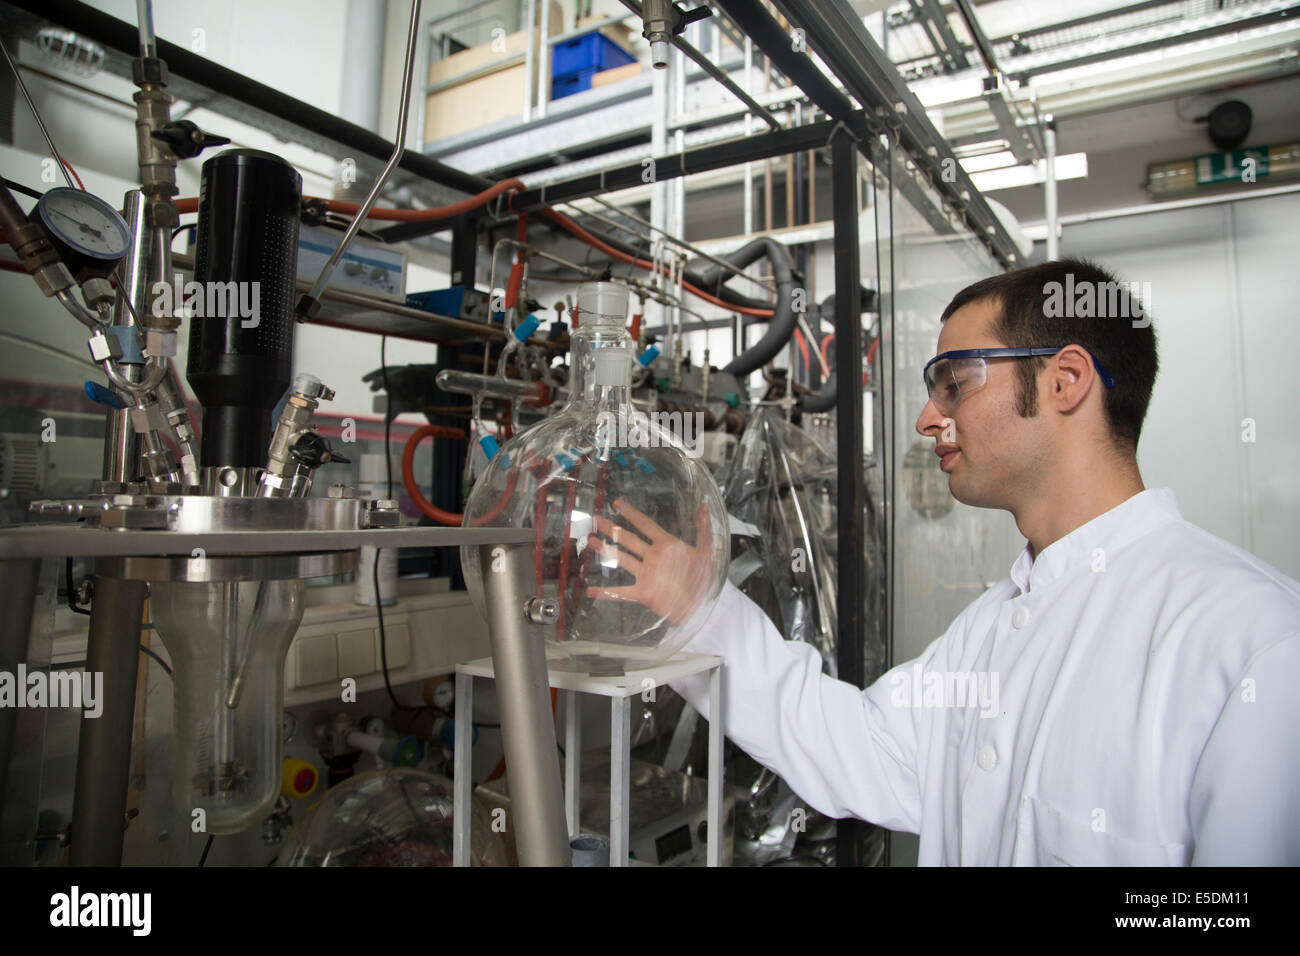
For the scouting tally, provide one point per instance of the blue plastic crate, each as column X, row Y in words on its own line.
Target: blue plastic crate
column 594, row 51
column 571, row 83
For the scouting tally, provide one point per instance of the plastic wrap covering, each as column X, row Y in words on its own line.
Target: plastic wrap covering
column 781, row 496
column 389, row 817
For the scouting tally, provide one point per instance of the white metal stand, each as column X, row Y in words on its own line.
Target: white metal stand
column 620, row 691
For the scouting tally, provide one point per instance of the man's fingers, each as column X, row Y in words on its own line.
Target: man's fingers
column 612, row 555
column 630, row 594
column 621, row 536
column 641, row 522
column 703, row 527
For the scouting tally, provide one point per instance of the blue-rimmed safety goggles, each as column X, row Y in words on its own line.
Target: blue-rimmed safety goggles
column 951, row 376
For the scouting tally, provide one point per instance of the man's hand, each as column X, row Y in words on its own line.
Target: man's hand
column 672, row 577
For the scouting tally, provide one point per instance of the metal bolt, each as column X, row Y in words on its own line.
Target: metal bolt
column 542, row 611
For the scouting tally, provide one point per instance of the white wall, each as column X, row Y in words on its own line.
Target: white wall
column 1226, row 302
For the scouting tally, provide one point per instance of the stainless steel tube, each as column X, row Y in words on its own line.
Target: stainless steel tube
column 104, row 751
column 527, row 725
column 18, row 580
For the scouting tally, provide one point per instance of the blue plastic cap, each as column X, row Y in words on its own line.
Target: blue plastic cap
column 645, row 466
column 622, row 460
column 105, row 396
column 489, row 445
column 565, row 461
column 649, row 355
column 526, row 328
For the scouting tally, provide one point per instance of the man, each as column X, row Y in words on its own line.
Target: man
column 1146, row 672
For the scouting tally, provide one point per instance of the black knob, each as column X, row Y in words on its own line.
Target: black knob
column 186, row 140
column 313, row 451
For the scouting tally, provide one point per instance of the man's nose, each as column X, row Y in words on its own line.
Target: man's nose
column 930, row 421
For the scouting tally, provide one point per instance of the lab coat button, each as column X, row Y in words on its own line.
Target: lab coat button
column 1020, row 618
column 987, row 759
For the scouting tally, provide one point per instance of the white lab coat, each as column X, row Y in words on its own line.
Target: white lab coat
column 1142, row 684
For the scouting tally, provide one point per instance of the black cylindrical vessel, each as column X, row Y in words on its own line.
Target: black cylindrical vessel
column 241, row 339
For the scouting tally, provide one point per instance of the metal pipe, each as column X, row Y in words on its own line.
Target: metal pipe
column 18, row 581
column 527, row 725
column 121, row 452
column 31, row 105
column 1049, row 191
column 399, row 147
column 849, row 486
column 755, row 108
column 144, row 17
column 716, row 260
column 530, row 60
column 104, row 748
column 544, row 63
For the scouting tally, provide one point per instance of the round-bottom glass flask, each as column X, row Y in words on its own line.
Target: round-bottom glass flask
column 631, row 539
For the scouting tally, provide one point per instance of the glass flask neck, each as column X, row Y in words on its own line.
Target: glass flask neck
column 601, row 353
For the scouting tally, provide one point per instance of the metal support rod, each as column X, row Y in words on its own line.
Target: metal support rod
column 672, row 165
column 18, row 582
column 31, row 105
column 527, row 726
column 398, row 148
column 851, row 496
column 530, row 61
column 462, row 784
column 620, row 778
column 717, row 772
column 1049, row 190
column 104, row 749
column 573, row 761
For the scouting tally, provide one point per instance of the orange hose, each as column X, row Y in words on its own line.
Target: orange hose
column 578, row 232
column 517, row 270
column 408, row 473
column 507, row 185
column 397, row 215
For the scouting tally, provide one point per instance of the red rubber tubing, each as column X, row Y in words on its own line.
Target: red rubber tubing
column 413, row 487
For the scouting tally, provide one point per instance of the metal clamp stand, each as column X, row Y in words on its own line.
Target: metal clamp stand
column 620, row 691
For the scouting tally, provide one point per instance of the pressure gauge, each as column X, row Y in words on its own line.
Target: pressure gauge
column 89, row 235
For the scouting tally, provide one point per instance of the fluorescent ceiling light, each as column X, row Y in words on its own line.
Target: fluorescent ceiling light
column 997, row 160
column 1069, row 166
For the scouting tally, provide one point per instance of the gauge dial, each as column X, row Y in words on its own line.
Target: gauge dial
column 84, row 226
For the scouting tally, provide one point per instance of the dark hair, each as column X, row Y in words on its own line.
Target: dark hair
column 1075, row 302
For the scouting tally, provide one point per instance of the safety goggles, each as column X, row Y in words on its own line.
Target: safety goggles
column 951, row 376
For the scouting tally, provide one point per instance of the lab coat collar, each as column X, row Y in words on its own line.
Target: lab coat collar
column 1087, row 546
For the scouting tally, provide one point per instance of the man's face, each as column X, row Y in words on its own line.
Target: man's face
column 993, row 455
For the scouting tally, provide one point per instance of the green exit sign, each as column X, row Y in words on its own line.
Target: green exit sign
column 1239, row 165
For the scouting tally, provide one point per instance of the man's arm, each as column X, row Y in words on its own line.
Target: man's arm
column 1244, row 803
column 847, row 752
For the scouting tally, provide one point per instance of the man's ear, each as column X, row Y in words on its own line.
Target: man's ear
column 1069, row 376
